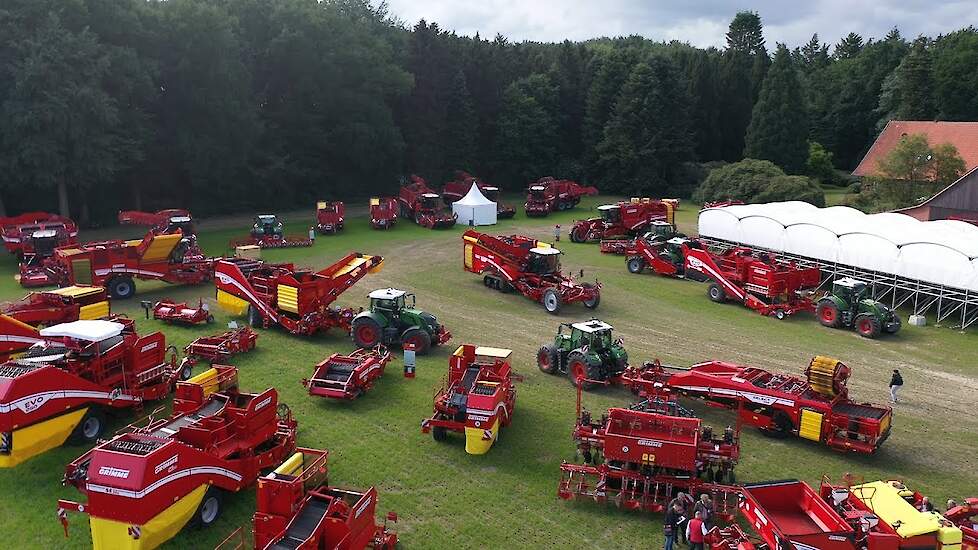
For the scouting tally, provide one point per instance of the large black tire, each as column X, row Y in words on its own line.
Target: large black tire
column 254, row 318
column 867, row 326
column 593, row 303
column 635, row 265
column 439, row 434
column 366, row 333
column 551, row 301
column 828, row 314
column 578, row 234
column 210, row 508
column 716, row 293
column 91, row 427
column 121, row 288
column 578, row 371
column 420, row 338
column 547, row 359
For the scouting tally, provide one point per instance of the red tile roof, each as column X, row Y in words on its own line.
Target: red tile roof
column 964, row 136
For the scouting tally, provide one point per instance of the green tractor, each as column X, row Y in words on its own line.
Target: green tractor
column 393, row 320
column 586, row 352
column 849, row 305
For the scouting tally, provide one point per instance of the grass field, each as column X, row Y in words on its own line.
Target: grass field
column 507, row 498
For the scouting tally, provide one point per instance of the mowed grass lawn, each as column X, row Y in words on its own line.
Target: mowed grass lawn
column 507, row 498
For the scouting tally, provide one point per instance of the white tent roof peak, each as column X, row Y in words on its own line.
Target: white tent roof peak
column 93, row 330
column 474, row 197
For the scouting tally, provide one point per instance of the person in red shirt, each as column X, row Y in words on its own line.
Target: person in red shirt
column 696, row 532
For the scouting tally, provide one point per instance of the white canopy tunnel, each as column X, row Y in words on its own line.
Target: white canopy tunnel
column 474, row 208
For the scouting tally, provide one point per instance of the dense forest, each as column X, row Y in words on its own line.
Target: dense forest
column 228, row 105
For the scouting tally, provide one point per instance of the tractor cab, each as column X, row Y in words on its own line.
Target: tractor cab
column 610, row 213
column 490, row 192
column 537, row 192
column 543, row 260
column 429, row 201
column 44, row 241
column 595, row 334
column 849, row 289
column 184, row 223
column 659, row 231
column 267, row 225
column 391, row 301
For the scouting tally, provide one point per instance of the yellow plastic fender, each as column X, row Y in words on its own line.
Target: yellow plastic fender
column 475, row 441
column 41, row 437
column 109, row 534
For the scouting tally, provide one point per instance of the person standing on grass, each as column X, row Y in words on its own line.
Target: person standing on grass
column 557, row 233
column 679, row 503
column 896, row 383
column 312, row 234
column 696, row 532
column 704, row 507
column 670, row 525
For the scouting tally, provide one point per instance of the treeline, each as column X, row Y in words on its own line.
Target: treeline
column 231, row 105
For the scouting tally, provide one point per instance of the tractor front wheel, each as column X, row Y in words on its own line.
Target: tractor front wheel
column 635, row 265
column 717, row 294
column 593, row 302
column 828, row 314
column 578, row 371
column 365, row 332
column 551, row 301
column 122, row 288
column 547, row 360
column 867, row 326
column 417, row 337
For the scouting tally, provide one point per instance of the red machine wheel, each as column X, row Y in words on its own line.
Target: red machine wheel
column 547, row 360
column 593, row 302
column 867, row 326
column 717, row 294
column 90, row 428
column 577, row 371
column 579, row 233
column 828, row 314
column 551, row 301
column 635, row 265
column 209, row 510
column 365, row 332
column 418, row 337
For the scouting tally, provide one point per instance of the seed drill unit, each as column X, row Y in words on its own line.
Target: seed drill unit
column 299, row 300
column 420, row 203
column 548, row 195
column 393, row 320
column 478, row 397
column 528, row 266
column 849, row 305
column 147, row 483
column 457, row 188
column 347, row 376
column 168, row 311
column 220, row 347
column 329, row 217
column 269, row 232
column 622, row 219
column 383, row 212
column 64, row 386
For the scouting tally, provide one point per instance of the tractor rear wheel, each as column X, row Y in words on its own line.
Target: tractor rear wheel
column 366, row 332
column 122, row 288
column 254, row 317
column 867, row 326
column 418, row 337
column 579, row 371
column 635, row 265
column 547, row 360
column 716, row 293
column 210, row 508
column 551, row 301
column 578, row 234
column 90, row 428
column 828, row 314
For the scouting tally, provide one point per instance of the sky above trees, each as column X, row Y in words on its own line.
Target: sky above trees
column 701, row 23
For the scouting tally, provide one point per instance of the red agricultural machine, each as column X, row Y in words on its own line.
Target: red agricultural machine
column 61, row 305
column 622, row 219
column 347, row 376
column 297, row 509
column 478, row 397
column 220, row 347
column 64, row 386
column 145, row 484
column 528, row 266
column 965, row 517
column 115, row 265
column 168, row 311
column 329, row 217
column 548, row 195
column 457, row 188
column 18, row 232
column 162, row 222
column 639, row 458
column 268, row 232
column 420, row 203
column 817, row 408
column 297, row 299
column 383, row 212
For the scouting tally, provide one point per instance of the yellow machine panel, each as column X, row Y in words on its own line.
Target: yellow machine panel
column 886, row 502
column 82, row 270
column 288, row 298
column 468, row 256
column 231, row 303
column 76, row 291
column 94, row 311
column 114, row 535
column 160, row 247
column 811, row 425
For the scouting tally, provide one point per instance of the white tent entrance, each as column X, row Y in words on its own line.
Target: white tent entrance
column 474, row 208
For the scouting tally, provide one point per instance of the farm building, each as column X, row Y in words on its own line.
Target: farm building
column 958, row 201
column 963, row 135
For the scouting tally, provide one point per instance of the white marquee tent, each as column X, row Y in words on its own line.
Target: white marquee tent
column 474, row 208
column 938, row 252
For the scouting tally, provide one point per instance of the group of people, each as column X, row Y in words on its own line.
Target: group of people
column 687, row 521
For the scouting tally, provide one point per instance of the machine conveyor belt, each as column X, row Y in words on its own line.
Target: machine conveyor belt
column 210, row 408
column 303, row 526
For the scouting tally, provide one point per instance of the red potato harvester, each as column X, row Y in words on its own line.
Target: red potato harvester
column 162, row 221
column 299, row 300
column 220, row 347
column 383, row 212
column 147, row 483
column 478, row 397
column 63, row 387
column 457, row 188
column 17, row 231
column 348, row 376
column 548, row 195
column 297, row 509
column 420, row 203
column 329, row 217
column 624, row 218
column 20, row 320
column 529, row 266
column 168, row 311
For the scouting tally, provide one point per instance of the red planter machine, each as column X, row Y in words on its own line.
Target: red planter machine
column 64, row 386
column 624, row 218
column 329, row 217
column 147, row 483
column 347, row 376
column 383, row 212
column 220, row 347
column 478, row 397
column 548, row 195
column 420, row 203
column 168, row 311
column 162, row 221
column 457, row 188
column 297, row 299
column 529, row 266
column 297, row 509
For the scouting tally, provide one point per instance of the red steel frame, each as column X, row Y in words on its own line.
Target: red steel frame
column 52, row 307
column 221, row 347
column 417, row 202
column 180, row 312
column 347, row 376
column 159, row 220
column 13, row 229
column 547, row 195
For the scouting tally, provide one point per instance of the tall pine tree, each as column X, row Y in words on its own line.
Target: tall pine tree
column 462, row 127
column 778, row 130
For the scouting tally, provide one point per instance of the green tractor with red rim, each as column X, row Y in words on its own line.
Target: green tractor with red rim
column 586, row 352
column 393, row 319
column 850, row 305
